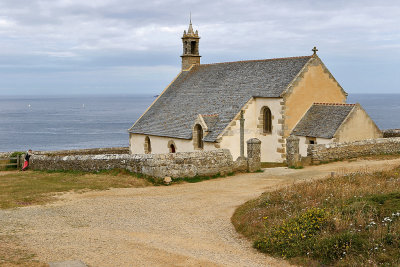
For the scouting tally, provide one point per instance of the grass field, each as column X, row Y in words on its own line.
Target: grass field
column 18, row 189
column 351, row 220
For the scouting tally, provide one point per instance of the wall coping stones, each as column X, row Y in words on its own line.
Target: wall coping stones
column 88, row 151
column 253, row 141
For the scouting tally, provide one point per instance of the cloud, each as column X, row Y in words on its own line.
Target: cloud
column 69, row 36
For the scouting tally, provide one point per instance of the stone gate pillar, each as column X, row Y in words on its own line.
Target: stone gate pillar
column 293, row 157
column 253, row 155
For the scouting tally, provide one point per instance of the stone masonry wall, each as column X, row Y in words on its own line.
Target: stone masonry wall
column 339, row 151
column 253, row 155
column 5, row 155
column 391, row 133
column 184, row 164
column 293, row 157
column 89, row 151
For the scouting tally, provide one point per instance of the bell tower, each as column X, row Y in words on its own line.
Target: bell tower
column 190, row 40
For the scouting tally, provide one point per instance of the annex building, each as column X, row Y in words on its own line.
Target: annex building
column 202, row 107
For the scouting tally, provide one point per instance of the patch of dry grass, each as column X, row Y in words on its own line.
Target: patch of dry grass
column 19, row 189
column 12, row 253
column 351, row 220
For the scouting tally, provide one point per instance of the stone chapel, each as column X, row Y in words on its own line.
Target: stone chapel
column 201, row 109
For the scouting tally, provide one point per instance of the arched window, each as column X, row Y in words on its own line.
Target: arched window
column 147, row 145
column 267, row 120
column 171, row 146
column 198, row 136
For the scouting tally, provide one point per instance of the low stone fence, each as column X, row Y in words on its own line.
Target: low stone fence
column 89, row 151
column 339, row 151
column 391, row 133
column 156, row 165
column 5, row 155
column 176, row 165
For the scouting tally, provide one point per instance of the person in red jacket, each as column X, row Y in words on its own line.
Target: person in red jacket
column 26, row 159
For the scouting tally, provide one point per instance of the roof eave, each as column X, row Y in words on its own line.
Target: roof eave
column 166, row 88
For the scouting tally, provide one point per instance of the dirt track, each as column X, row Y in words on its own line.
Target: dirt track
column 179, row 225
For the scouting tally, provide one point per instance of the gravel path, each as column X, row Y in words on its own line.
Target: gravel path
column 179, row 225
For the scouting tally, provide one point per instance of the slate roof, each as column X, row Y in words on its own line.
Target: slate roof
column 323, row 120
column 222, row 89
column 211, row 121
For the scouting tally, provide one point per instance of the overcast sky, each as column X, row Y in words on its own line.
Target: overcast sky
column 134, row 47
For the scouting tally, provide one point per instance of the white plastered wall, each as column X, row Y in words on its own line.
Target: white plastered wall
column 160, row 144
column 303, row 145
column 269, row 142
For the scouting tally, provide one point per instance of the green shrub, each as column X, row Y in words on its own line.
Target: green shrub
column 289, row 238
column 337, row 246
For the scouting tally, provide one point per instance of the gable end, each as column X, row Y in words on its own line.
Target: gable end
column 314, row 61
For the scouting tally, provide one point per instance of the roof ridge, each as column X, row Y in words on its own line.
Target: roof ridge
column 253, row 60
column 333, row 104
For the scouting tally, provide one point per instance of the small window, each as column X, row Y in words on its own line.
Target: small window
column 147, row 145
column 311, row 140
column 267, row 120
column 172, row 148
column 198, row 137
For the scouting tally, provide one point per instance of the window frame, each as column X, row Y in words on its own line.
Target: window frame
column 267, row 120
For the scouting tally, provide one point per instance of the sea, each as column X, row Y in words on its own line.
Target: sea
column 77, row 122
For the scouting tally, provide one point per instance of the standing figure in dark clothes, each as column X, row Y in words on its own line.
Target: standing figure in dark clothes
column 26, row 159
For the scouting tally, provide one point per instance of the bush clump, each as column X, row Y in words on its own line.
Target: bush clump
column 288, row 238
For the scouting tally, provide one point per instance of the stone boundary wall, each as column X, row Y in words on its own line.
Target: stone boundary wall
column 183, row 164
column 339, row 151
column 176, row 165
column 89, row 151
column 5, row 155
column 391, row 133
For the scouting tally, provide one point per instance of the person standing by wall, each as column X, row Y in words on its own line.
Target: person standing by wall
column 26, row 159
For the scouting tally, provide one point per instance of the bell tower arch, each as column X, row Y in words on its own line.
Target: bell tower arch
column 190, row 41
